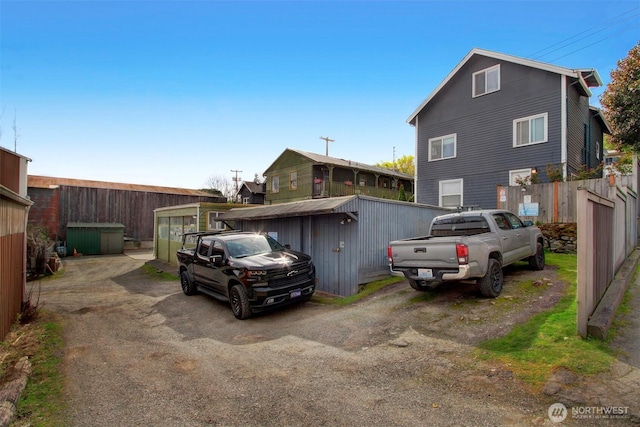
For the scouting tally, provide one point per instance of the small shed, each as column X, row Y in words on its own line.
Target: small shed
column 347, row 237
column 95, row 238
column 172, row 222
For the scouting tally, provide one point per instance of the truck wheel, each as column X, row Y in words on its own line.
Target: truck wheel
column 536, row 262
column 187, row 285
column 240, row 302
column 491, row 283
column 417, row 286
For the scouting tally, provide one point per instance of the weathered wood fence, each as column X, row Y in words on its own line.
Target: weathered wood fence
column 555, row 202
column 606, row 213
column 607, row 234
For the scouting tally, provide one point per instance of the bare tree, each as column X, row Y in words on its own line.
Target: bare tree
column 221, row 186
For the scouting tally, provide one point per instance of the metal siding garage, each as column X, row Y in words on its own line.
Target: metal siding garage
column 95, row 238
column 347, row 237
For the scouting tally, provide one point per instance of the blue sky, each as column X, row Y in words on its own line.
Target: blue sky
column 172, row 93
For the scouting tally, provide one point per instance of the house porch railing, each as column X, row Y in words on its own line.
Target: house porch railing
column 336, row 189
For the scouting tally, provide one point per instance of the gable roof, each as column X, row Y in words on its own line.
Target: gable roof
column 598, row 114
column 327, row 160
column 253, row 187
column 588, row 77
column 36, row 181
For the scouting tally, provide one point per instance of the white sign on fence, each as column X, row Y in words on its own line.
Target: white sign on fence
column 528, row 209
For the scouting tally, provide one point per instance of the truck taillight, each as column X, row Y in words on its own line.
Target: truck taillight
column 390, row 254
column 462, row 252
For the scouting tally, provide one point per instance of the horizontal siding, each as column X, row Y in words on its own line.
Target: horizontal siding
column 578, row 118
column 484, row 129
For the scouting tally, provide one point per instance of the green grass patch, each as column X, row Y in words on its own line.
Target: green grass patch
column 549, row 339
column 368, row 289
column 159, row 275
column 423, row 296
column 42, row 402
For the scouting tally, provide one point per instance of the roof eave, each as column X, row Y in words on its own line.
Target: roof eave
column 517, row 60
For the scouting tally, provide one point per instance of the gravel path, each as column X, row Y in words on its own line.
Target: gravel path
column 141, row 353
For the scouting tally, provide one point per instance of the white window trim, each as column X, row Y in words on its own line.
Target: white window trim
column 215, row 225
column 529, row 119
column 598, row 150
column 449, row 181
column 441, row 138
column 485, row 71
column 275, row 184
column 523, row 173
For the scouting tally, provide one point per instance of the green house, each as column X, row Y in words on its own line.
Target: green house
column 298, row 175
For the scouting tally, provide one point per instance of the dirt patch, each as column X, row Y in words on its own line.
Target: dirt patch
column 140, row 352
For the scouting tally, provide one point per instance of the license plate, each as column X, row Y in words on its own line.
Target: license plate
column 425, row 273
column 295, row 294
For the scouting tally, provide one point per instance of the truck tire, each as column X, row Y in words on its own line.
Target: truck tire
column 491, row 283
column 239, row 302
column 536, row 262
column 187, row 285
column 417, row 286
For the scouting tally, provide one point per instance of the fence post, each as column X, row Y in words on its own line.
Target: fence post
column 555, row 201
column 585, row 275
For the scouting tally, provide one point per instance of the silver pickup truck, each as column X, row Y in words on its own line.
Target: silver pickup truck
column 472, row 245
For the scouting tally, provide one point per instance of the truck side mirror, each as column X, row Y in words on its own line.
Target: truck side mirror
column 216, row 260
column 528, row 223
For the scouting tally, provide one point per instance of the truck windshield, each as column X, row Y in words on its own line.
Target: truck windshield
column 460, row 226
column 245, row 246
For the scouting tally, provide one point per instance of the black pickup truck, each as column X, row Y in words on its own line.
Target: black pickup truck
column 250, row 270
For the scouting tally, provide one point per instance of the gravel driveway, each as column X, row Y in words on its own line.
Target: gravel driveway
column 141, row 353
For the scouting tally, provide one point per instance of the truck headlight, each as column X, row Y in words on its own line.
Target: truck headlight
column 256, row 273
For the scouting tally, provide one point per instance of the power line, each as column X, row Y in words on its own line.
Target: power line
column 590, row 33
column 582, row 48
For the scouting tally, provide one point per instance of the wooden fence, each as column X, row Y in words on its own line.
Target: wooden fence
column 606, row 213
column 607, row 234
column 555, row 202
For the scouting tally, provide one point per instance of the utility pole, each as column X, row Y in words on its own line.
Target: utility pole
column 394, row 158
column 236, row 179
column 327, row 141
column 15, row 131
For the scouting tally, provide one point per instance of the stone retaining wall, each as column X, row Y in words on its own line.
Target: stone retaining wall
column 562, row 238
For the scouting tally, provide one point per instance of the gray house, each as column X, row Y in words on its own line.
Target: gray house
column 496, row 118
column 252, row 193
column 347, row 237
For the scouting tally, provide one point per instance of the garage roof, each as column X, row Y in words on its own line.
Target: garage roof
column 283, row 210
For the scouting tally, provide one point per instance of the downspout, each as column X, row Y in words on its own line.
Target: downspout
column 415, row 172
column 564, row 126
column 198, row 217
column 155, row 234
column 24, row 258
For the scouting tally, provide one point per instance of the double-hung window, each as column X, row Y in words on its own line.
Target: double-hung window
column 450, row 193
column 486, row 81
column 443, row 147
column 519, row 176
column 530, row 130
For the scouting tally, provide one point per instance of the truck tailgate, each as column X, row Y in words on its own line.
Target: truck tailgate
column 434, row 252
